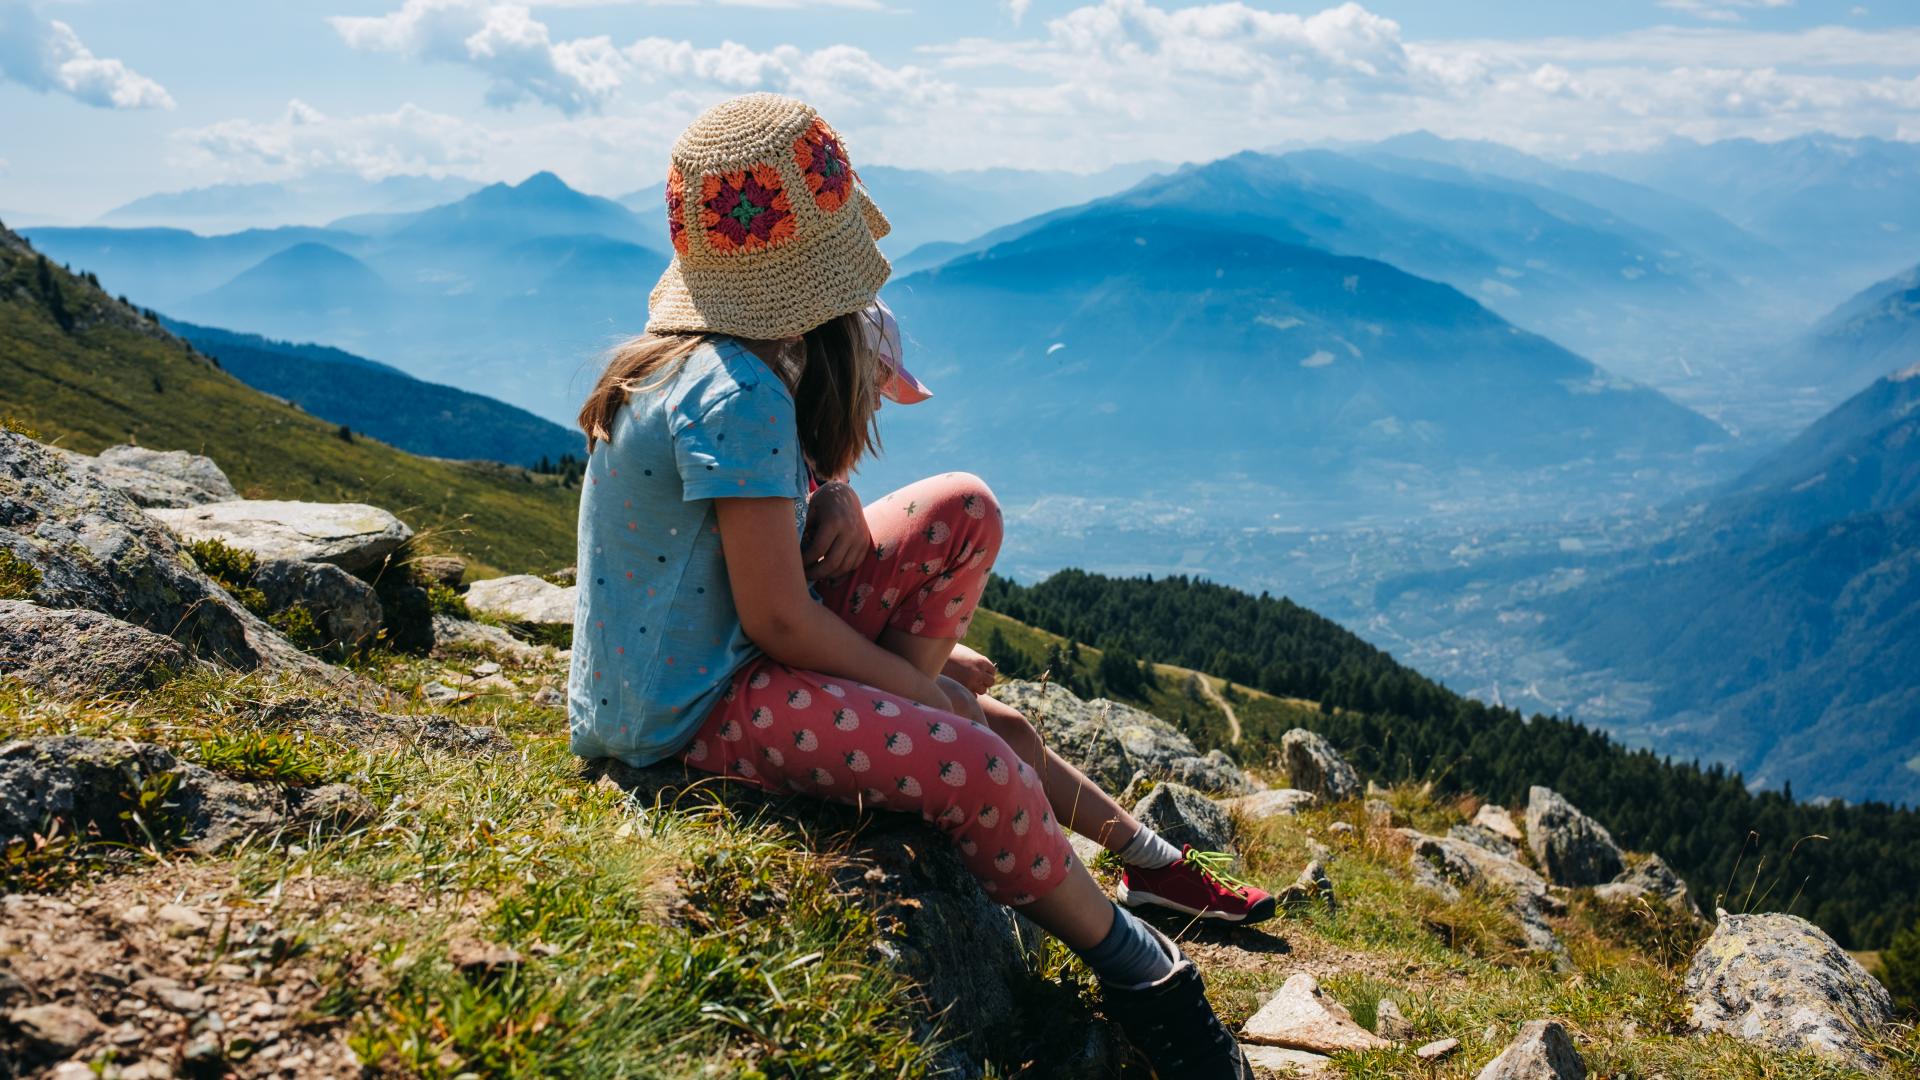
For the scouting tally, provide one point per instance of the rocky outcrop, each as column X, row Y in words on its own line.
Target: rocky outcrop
column 1275, row 802
column 345, row 608
column 1314, row 766
column 450, row 633
column 83, row 654
column 1779, row 981
column 1542, row 1051
column 975, row 961
column 1446, row 865
column 1572, row 848
column 194, row 470
column 523, row 598
column 1112, row 742
column 95, row 549
column 1486, row 839
column 90, row 785
column 1301, row 1017
column 1496, row 820
column 1183, row 816
column 446, row 570
column 1652, row 879
column 353, row 536
column 144, row 488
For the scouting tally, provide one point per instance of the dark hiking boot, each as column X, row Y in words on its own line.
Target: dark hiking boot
column 1174, row 1028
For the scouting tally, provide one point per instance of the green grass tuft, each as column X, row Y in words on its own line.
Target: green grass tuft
column 18, row 578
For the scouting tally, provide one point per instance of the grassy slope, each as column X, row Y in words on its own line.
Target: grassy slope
column 117, row 378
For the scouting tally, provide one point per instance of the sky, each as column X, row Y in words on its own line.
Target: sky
column 102, row 101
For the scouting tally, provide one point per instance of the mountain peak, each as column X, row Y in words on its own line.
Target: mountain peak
column 544, row 182
column 1912, row 371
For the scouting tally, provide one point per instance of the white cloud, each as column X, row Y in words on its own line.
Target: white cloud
column 1721, row 10
column 408, row 140
column 46, row 55
column 503, row 41
column 1018, row 9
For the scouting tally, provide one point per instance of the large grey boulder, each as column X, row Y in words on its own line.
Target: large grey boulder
column 1779, row 981
column 1571, row 847
column 523, row 598
column 346, row 608
column 191, row 469
column 1112, row 742
column 1447, row 864
column 95, row 549
column 1652, row 879
column 1183, row 816
column 88, row 786
column 1542, row 1051
column 81, row 654
column 353, row 536
column 1313, row 765
column 144, row 488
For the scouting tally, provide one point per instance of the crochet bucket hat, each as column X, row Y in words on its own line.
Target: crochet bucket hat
column 773, row 233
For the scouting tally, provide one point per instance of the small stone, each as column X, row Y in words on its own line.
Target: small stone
column 1390, row 1023
column 71, row 1070
column 262, row 1010
column 1496, row 820
column 1312, row 885
column 180, row 999
column 135, row 915
column 486, row 668
column 523, row 598
column 1342, row 828
column 475, row 958
column 1300, row 1017
column 1288, row 1063
column 1379, row 813
column 438, row 693
column 1542, row 1051
column 1275, row 802
column 548, row 697
column 1314, row 766
column 1437, row 1050
column 61, row 1029
column 204, row 1049
column 1491, row 1034
column 182, row 921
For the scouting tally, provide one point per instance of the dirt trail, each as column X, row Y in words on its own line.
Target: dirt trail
column 1225, row 706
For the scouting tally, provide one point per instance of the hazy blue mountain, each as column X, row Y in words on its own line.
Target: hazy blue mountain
column 308, row 289
column 1870, row 334
column 384, row 402
column 1848, row 206
column 540, row 205
column 1782, row 632
column 930, row 206
column 159, row 267
column 307, row 200
column 1122, row 350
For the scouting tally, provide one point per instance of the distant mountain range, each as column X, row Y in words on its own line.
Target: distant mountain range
column 1874, row 332
column 308, row 200
column 374, row 399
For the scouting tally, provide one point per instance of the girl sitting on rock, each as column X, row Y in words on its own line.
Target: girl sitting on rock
column 740, row 616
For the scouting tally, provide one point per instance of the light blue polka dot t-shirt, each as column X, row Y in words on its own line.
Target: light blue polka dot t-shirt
column 656, row 636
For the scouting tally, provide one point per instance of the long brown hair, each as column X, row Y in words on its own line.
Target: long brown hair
column 836, row 389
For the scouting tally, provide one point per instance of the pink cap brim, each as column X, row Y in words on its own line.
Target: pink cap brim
column 883, row 337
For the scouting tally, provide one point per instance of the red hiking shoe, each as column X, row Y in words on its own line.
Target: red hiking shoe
column 1198, row 884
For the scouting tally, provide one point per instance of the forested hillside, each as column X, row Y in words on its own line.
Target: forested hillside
column 1851, row 868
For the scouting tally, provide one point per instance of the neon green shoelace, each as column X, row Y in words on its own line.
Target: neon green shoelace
column 1213, row 865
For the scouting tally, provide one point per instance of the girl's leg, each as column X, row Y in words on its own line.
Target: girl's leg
column 934, row 542
column 1079, row 803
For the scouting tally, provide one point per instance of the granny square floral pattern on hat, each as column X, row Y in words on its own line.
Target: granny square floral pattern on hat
column 746, row 210
column 677, row 209
column 824, row 164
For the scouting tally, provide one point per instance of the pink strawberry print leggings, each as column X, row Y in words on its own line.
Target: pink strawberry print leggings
column 791, row 730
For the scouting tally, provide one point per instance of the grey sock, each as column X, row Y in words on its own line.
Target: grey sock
column 1148, row 851
column 1131, row 955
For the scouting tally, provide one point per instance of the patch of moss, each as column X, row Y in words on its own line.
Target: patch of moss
column 18, row 577
column 299, row 626
column 10, row 422
column 442, row 600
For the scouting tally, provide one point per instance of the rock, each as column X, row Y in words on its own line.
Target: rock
column 143, row 488
column 1652, row 878
column 181, row 920
column 1542, row 1051
column 1389, row 1022
column 84, row 654
column 1314, row 766
column 344, row 607
column 1486, row 840
column 1779, row 981
column 1084, row 849
column 523, row 598
column 1572, row 848
column 485, row 669
column 87, row 784
column 1446, row 865
column 548, row 697
column 1300, row 1017
column 446, row 570
column 972, row 961
column 353, row 536
column 1111, row 742
column 1437, row 1050
column 180, row 465
column 438, row 693
column 1275, row 802
column 1342, row 828
column 449, row 632
column 1183, row 816
column 566, row 575
column 95, row 549
column 1497, row 821
column 1312, row 885
column 72, row 1070
column 55, row 1030
column 482, row 958
column 1288, row 1063
column 1379, row 813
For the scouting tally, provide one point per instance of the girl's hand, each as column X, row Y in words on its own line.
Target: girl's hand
column 971, row 669
column 837, row 537
column 963, row 701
